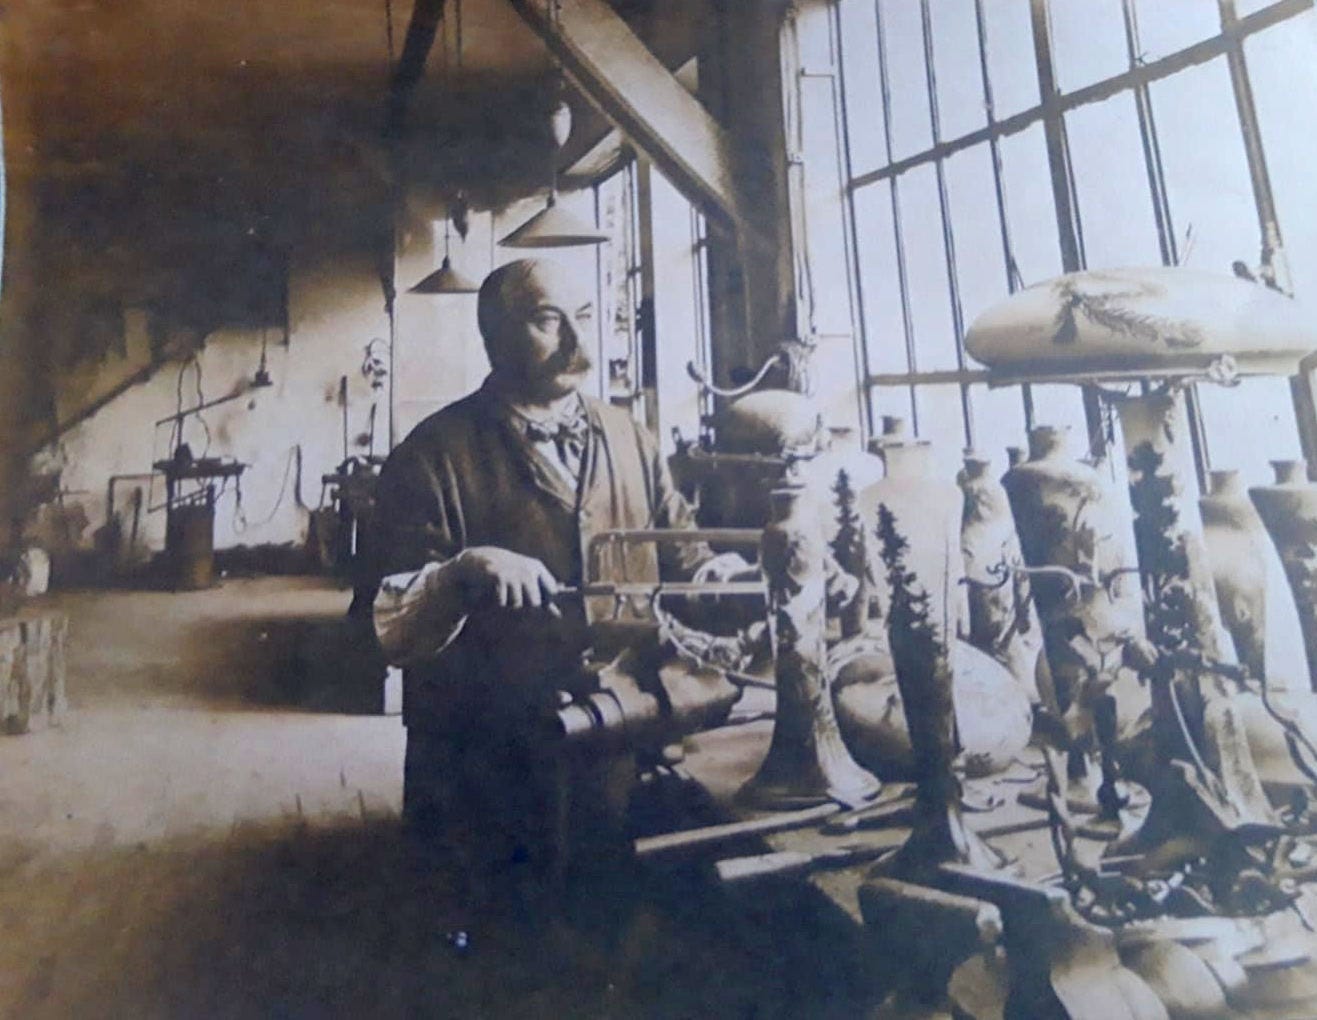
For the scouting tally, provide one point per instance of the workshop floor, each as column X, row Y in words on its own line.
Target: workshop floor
column 191, row 844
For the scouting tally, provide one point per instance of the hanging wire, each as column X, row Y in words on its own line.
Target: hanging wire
column 201, row 399
column 240, row 522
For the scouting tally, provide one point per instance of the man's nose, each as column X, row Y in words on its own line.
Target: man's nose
column 566, row 330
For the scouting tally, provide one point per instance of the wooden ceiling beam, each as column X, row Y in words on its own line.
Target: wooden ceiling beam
column 421, row 30
column 622, row 77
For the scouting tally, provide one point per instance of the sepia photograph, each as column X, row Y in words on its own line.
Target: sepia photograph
column 746, row 509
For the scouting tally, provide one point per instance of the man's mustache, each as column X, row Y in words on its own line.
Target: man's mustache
column 569, row 357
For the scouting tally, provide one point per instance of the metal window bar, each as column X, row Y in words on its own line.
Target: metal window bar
column 902, row 275
column 1050, row 111
column 1164, row 67
column 1013, row 279
column 860, row 341
column 700, row 289
column 1161, row 210
column 638, row 361
column 600, row 304
column 841, row 154
column 948, row 233
column 1069, row 229
column 1302, row 389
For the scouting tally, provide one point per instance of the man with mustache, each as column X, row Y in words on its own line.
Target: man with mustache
column 485, row 511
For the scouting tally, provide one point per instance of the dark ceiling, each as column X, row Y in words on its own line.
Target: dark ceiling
column 166, row 144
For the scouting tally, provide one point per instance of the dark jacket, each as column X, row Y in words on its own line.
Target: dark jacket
column 467, row 477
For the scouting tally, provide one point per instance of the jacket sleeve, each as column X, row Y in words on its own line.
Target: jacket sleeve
column 418, row 608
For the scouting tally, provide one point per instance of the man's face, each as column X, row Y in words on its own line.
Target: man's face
column 541, row 349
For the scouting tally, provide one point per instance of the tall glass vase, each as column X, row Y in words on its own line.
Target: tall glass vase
column 807, row 761
column 916, row 520
column 1077, row 539
column 1196, row 708
column 1003, row 622
column 1289, row 512
column 1257, row 607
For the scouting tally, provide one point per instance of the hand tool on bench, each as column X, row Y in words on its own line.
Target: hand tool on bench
column 789, row 863
column 671, row 844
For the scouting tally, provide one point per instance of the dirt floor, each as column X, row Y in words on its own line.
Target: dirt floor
column 205, row 836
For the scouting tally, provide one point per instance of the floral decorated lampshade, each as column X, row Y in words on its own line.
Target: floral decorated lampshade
column 1140, row 324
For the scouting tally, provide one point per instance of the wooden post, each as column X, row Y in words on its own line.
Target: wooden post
column 32, row 671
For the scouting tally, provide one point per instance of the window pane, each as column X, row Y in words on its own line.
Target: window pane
column 998, row 422
column 827, row 278
column 956, row 62
column 1029, row 205
column 834, row 369
column 1063, row 406
column 1243, row 8
column 908, row 84
column 1167, row 27
column 1268, row 430
column 1206, row 173
column 677, row 309
column 925, row 258
column 980, row 262
column 881, row 305
column 864, row 108
column 1011, row 68
column 890, row 400
column 617, row 315
column 1088, row 41
column 1282, row 64
column 942, row 422
column 1111, row 178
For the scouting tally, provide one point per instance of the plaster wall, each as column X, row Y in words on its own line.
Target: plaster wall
column 289, row 433
column 292, row 432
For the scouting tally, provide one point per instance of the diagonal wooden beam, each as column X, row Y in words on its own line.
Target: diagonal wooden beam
column 620, row 75
column 421, row 30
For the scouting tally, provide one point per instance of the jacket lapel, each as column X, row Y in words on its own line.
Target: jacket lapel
column 538, row 470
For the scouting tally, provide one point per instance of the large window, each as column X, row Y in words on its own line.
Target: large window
column 991, row 144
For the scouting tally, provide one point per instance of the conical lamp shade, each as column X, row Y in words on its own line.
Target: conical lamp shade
column 445, row 280
column 553, row 227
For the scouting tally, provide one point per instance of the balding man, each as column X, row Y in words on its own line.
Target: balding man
column 486, row 510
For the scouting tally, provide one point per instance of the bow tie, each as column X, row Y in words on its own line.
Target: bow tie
column 560, row 433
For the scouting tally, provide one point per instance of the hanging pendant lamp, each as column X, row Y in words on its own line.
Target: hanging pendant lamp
column 552, row 226
column 445, row 279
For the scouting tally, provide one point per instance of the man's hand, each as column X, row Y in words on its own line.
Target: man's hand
column 512, row 580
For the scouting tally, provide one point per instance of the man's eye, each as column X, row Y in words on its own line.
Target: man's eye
column 549, row 320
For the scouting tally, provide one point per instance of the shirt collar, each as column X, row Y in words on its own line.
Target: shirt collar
column 518, row 417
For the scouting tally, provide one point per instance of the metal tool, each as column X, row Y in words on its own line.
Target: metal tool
column 657, row 589
column 677, row 843
column 794, row 863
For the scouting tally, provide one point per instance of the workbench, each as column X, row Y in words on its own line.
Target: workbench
column 721, row 760
column 1276, row 975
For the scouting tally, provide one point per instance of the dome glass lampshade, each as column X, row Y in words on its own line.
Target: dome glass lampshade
column 1142, row 323
column 554, row 227
column 445, row 280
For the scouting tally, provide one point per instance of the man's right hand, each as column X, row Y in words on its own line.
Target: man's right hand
column 511, row 580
